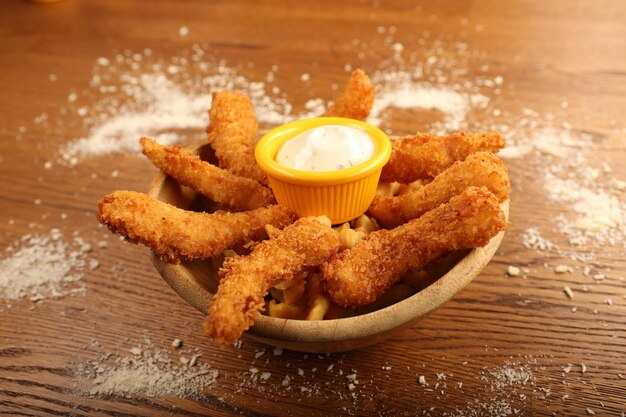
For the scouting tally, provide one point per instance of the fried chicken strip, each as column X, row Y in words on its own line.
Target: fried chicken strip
column 244, row 282
column 232, row 133
column 226, row 189
column 173, row 233
column 356, row 277
column 482, row 169
column 356, row 100
column 425, row 156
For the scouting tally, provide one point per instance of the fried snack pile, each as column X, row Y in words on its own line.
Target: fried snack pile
column 304, row 245
column 438, row 194
column 232, row 133
column 424, row 156
column 303, row 298
column 173, row 233
column 481, row 169
column 224, row 188
column 358, row 276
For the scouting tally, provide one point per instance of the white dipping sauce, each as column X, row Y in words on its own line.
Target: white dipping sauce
column 326, row 148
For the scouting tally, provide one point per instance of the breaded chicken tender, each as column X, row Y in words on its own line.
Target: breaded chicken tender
column 358, row 276
column 244, row 282
column 356, row 100
column 424, row 156
column 226, row 189
column 232, row 133
column 481, row 169
column 173, row 233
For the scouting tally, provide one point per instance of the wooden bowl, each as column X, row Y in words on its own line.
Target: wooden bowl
column 196, row 281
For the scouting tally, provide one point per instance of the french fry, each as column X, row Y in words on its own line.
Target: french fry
column 365, row 224
column 388, row 189
column 313, row 288
column 277, row 294
column 286, row 311
column 350, row 237
column 294, row 294
column 291, row 283
column 319, row 309
column 413, row 186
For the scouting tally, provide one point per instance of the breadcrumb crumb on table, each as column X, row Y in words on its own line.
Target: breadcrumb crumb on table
column 562, row 269
column 512, row 271
column 568, row 291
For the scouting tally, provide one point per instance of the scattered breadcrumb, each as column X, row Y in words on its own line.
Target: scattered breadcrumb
column 513, row 271
column 562, row 269
column 532, row 239
column 44, row 266
column 194, row 359
column 149, row 371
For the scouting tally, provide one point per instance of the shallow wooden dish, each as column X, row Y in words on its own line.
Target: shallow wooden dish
column 196, row 281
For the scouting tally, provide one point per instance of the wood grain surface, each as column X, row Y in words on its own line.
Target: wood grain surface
column 549, row 53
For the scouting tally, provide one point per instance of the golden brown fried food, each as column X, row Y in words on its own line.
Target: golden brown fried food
column 356, row 100
column 226, row 189
column 245, row 280
column 425, row 156
column 232, row 133
column 482, row 169
column 173, row 233
column 356, row 277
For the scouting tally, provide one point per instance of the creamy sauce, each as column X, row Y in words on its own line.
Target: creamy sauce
column 326, row 148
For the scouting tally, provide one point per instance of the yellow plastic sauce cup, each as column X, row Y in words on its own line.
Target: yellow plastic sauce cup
column 340, row 195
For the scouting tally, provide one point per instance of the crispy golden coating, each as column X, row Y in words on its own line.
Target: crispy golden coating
column 356, row 100
column 173, row 233
column 482, row 169
column 232, row 133
column 425, row 156
column 356, row 277
column 244, row 281
column 226, row 189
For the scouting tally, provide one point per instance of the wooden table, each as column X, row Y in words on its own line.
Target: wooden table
column 559, row 57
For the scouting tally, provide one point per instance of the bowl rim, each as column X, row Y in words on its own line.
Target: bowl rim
column 380, row 321
column 269, row 144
